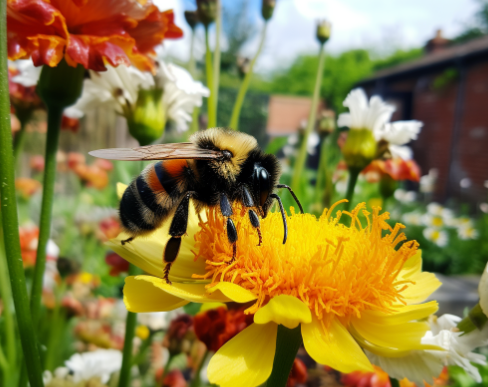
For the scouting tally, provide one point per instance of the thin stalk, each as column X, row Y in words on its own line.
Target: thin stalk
column 191, row 61
column 212, row 120
column 55, row 330
column 351, row 184
column 302, row 153
column 167, row 365
column 321, row 183
column 130, row 328
column 216, row 59
column 194, row 126
column 236, row 111
column 6, row 295
column 10, row 221
column 196, row 380
column 288, row 342
column 139, row 358
column 54, row 116
column 19, row 140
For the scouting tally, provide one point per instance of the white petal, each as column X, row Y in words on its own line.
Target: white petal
column 403, row 152
column 29, row 74
column 401, row 132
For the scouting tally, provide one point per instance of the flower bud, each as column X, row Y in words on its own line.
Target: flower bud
column 326, row 123
column 359, row 149
column 243, row 65
column 268, row 8
column 192, row 18
column 148, row 118
column 207, row 11
column 323, row 31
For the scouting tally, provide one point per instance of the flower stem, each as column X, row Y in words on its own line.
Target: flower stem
column 475, row 319
column 191, row 62
column 236, row 111
column 216, row 57
column 19, row 140
column 6, row 296
column 288, row 342
column 212, row 120
column 53, row 128
column 302, row 153
column 10, row 220
column 351, row 184
column 130, row 328
column 196, row 380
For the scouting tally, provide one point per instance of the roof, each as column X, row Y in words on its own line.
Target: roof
column 286, row 114
column 445, row 56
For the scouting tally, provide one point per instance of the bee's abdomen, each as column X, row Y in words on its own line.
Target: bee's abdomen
column 133, row 212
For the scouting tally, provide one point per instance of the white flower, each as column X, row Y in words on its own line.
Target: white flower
column 427, row 182
column 115, row 89
column 291, row 150
column 405, row 196
column 375, row 116
column 466, row 232
column 412, row 218
column 423, row 365
column 439, row 237
column 28, row 74
column 157, row 321
column 401, row 151
column 100, row 363
column 484, row 207
column 181, row 93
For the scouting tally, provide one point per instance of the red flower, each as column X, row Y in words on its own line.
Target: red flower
column 215, row 327
column 70, row 124
column 117, row 263
column 92, row 33
column 177, row 331
column 28, row 244
column 37, row 163
column 109, row 228
column 298, row 373
column 378, row 378
column 397, row 169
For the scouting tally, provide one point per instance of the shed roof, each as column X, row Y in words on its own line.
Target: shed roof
column 445, row 56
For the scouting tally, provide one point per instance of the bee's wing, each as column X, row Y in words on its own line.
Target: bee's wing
column 180, row 150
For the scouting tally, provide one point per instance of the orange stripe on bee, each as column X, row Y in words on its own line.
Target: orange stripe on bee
column 166, row 175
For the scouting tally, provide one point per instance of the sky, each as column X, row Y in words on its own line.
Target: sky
column 381, row 25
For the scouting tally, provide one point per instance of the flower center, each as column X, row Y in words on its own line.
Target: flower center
column 330, row 267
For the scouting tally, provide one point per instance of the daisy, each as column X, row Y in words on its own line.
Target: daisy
column 346, row 289
column 436, row 236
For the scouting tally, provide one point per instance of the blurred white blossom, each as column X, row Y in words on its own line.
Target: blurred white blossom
column 427, row 182
column 412, row 218
column 405, row 196
column 28, row 74
column 436, row 236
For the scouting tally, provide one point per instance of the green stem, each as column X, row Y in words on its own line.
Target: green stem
column 10, row 220
column 196, row 380
column 216, row 59
column 7, row 314
column 194, row 126
column 475, row 319
column 191, row 62
column 130, row 328
column 302, row 153
column 351, row 184
column 167, row 365
column 139, row 358
column 55, row 329
column 236, row 111
column 212, row 120
column 54, row 116
column 288, row 342
column 394, row 382
column 19, row 140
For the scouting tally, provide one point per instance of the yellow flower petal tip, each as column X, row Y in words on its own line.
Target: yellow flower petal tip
column 235, row 292
column 121, row 187
column 212, row 305
column 285, row 310
column 247, row 359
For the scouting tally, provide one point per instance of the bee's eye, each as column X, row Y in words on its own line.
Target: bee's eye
column 263, row 178
column 227, row 155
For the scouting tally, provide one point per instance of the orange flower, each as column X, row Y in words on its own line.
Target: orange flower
column 75, row 158
column 117, row 263
column 70, row 124
column 92, row 33
column 215, row 327
column 27, row 187
column 397, row 169
column 298, row 374
column 441, row 381
column 378, row 378
column 28, row 244
column 109, row 228
column 91, row 175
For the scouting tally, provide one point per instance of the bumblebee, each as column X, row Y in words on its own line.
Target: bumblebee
column 218, row 167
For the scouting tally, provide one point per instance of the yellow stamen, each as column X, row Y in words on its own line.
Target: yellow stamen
column 330, row 267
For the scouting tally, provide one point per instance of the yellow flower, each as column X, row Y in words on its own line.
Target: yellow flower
column 349, row 288
column 142, row 332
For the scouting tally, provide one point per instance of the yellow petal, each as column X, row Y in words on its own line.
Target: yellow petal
column 212, row 305
column 147, row 252
column 142, row 296
column 235, row 292
column 412, row 266
column 121, row 187
column 334, row 347
column 285, row 310
column 425, row 284
column 189, row 292
column 395, row 331
column 247, row 359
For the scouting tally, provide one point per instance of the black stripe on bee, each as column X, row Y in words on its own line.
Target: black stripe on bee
column 148, row 196
column 130, row 214
column 168, row 182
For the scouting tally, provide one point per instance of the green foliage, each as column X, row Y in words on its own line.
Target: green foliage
column 398, row 57
column 445, row 79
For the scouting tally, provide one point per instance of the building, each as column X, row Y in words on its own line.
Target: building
column 447, row 89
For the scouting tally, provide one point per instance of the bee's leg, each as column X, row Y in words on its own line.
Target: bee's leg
column 232, row 237
column 226, row 210
column 128, row 240
column 283, row 216
column 292, row 194
column 176, row 230
column 253, row 217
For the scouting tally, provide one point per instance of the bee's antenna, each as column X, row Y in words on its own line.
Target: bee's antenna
column 283, row 215
column 292, row 194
